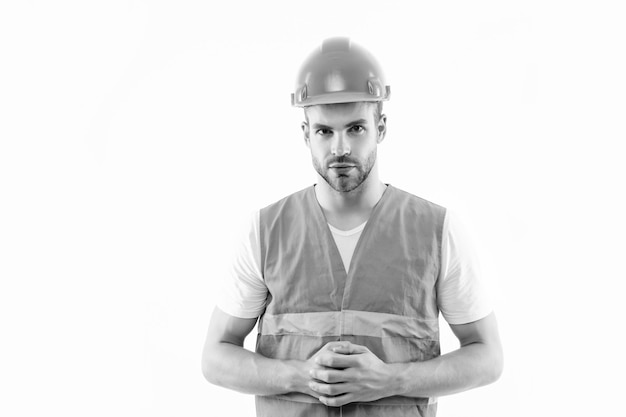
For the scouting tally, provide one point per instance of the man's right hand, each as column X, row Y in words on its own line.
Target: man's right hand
column 306, row 368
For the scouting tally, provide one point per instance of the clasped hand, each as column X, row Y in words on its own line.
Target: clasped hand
column 343, row 372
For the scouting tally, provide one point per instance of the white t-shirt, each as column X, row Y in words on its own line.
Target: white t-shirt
column 461, row 295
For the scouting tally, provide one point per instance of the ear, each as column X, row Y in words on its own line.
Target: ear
column 305, row 131
column 382, row 128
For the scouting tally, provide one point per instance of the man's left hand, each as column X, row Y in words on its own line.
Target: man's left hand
column 350, row 373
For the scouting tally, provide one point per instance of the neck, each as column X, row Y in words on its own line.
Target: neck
column 360, row 200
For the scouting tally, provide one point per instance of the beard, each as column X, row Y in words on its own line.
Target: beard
column 349, row 181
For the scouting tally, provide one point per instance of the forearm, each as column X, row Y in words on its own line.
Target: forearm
column 236, row 368
column 470, row 366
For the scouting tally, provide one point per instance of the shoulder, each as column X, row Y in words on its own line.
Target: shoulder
column 297, row 196
column 286, row 204
column 415, row 205
column 412, row 198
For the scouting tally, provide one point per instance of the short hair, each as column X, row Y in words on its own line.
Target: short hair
column 378, row 111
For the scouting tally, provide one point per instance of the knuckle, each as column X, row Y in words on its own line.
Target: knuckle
column 338, row 377
column 332, row 402
column 321, row 359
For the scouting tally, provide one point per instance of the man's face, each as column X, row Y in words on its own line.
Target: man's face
column 343, row 139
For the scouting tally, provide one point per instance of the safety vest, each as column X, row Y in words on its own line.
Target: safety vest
column 387, row 301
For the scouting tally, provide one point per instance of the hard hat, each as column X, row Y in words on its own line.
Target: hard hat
column 339, row 71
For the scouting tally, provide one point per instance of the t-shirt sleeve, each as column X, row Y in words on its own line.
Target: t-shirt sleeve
column 243, row 292
column 461, row 292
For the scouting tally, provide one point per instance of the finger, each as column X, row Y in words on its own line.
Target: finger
column 337, row 401
column 337, row 344
column 337, row 360
column 331, row 389
column 340, row 344
column 331, row 376
column 348, row 348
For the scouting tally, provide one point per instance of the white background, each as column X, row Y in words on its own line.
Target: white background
column 136, row 137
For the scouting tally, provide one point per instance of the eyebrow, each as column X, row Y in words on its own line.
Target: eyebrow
column 355, row 122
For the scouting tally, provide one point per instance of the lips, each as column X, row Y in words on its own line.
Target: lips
column 341, row 166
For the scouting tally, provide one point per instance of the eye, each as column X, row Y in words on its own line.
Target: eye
column 357, row 129
column 323, row 132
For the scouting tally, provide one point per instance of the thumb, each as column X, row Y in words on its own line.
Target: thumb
column 348, row 348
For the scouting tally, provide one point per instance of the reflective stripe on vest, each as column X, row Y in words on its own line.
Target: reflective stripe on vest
column 386, row 302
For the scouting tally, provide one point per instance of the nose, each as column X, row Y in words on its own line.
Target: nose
column 339, row 145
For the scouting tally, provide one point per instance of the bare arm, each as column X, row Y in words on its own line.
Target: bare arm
column 226, row 363
column 359, row 375
column 477, row 362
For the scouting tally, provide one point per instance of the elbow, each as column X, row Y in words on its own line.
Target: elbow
column 496, row 366
column 490, row 365
column 208, row 368
column 211, row 375
column 207, row 372
column 495, row 373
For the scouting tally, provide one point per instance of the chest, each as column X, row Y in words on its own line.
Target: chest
column 391, row 270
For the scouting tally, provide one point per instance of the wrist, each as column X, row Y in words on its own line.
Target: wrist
column 398, row 381
column 295, row 378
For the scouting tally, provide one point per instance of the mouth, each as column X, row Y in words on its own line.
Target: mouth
column 341, row 166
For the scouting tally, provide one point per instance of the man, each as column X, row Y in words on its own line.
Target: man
column 348, row 276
